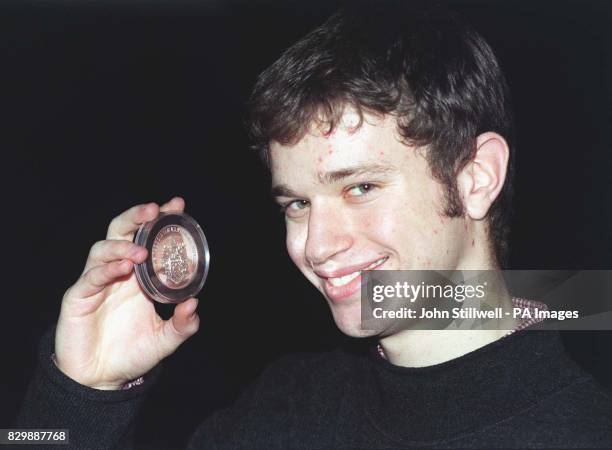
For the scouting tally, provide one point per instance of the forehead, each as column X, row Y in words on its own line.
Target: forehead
column 373, row 141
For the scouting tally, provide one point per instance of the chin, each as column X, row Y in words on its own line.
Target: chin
column 357, row 332
column 348, row 321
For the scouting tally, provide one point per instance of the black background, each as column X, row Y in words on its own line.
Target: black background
column 109, row 104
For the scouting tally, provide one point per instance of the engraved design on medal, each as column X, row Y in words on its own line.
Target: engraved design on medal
column 174, row 256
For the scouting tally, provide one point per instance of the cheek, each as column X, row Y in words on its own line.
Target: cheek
column 296, row 242
column 384, row 224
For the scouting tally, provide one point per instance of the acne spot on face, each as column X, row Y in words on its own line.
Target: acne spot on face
column 320, row 159
column 472, row 242
column 435, row 231
column 381, row 153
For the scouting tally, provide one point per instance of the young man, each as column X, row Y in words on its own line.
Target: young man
column 388, row 136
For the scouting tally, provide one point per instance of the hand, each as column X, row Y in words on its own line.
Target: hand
column 108, row 332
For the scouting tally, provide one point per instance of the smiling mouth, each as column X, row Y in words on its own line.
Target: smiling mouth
column 341, row 281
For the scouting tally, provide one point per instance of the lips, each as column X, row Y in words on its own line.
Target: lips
column 342, row 283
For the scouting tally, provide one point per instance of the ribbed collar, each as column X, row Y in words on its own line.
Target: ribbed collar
column 430, row 404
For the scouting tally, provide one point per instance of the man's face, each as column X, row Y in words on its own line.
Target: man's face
column 360, row 199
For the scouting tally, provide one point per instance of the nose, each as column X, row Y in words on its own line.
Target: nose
column 329, row 233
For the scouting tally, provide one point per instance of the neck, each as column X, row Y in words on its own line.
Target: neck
column 421, row 348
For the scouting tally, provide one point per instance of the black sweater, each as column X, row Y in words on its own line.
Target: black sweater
column 519, row 392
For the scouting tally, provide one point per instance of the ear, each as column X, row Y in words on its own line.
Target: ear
column 482, row 179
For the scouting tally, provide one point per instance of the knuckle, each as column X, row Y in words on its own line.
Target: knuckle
column 118, row 247
column 182, row 332
column 68, row 293
column 90, row 277
column 111, row 269
column 87, row 275
column 124, row 246
column 114, row 223
column 108, row 249
column 185, row 331
column 96, row 249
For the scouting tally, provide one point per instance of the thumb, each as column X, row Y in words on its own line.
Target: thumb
column 183, row 324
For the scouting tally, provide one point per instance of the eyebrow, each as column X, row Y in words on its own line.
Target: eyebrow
column 327, row 178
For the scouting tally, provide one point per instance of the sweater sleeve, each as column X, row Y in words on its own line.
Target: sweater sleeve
column 95, row 419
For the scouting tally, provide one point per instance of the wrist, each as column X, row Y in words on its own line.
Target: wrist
column 104, row 386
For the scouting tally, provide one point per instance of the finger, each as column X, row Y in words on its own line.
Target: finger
column 183, row 324
column 175, row 204
column 125, row 224
column 97, row 278
column 112, row 250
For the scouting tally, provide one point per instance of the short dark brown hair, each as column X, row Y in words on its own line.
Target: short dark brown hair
column 424, row 65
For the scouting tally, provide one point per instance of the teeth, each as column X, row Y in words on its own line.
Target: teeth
column 376, row 263
column 341, row 281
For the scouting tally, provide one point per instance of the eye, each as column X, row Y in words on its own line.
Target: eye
column 360, row 189
column 295, row 208
column 296, row 205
